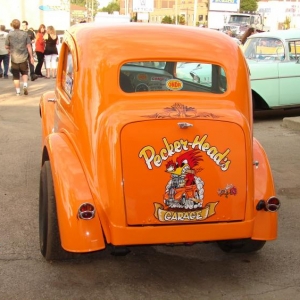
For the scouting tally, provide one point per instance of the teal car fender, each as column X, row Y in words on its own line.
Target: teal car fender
column 265, row 80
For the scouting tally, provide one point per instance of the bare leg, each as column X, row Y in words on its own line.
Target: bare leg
column 25, row 79
column 17, row 83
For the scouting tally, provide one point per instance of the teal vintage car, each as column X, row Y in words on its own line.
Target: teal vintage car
column 200, row 73
column 274, row 63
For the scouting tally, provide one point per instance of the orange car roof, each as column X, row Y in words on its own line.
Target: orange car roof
column 156, row 41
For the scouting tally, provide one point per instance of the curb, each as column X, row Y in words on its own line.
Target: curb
column 291, row 123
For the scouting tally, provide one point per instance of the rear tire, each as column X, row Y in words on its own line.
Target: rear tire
column 50, row 243
column 241, row 246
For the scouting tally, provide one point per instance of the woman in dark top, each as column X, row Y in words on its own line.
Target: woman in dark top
column 51, row 53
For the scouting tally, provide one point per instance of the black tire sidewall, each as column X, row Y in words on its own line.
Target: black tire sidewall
column 43, row 210
column 50, row 241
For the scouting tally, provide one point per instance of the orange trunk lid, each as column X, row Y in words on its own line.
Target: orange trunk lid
column 177, row 175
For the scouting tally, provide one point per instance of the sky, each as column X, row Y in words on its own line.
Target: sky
column 103, row 3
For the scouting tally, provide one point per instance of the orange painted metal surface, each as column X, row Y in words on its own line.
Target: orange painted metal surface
column 131, row 155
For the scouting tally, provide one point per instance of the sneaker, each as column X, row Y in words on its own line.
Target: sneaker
column 17, row 94
column 5, row 76
column 34, row 77
column 25, row 90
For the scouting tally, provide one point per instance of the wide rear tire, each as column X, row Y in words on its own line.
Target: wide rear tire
column 50, row 243
column 241, row 246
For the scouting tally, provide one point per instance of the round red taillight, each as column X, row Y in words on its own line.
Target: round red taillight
column 272, row 204
column 86, row 211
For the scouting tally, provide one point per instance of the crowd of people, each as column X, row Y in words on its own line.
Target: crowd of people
column 16, row 51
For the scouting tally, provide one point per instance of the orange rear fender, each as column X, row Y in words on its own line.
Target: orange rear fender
column 72, row 190
column 47, row 106
column 265, row 225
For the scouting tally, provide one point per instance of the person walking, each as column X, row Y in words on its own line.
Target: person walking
column 39, row 49
column 51, row 52
column 4, row 56
column 18, row 45
column 31, row 35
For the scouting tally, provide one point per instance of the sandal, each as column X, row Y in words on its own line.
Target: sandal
column 47, row 77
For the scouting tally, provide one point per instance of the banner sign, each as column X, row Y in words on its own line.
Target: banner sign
column 225, row 1
column 143, row 6
column 224, row 5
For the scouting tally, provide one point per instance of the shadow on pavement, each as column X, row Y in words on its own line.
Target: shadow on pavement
column 276, row 114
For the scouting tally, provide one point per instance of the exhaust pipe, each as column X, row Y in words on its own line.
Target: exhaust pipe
column 271, row 205
column 86, row 211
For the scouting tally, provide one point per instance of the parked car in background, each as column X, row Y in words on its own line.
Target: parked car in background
column 136, row 151
column 273, row 59
column 195, row 72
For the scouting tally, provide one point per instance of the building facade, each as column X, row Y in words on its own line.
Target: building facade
column 184, row 8
column 275, row 12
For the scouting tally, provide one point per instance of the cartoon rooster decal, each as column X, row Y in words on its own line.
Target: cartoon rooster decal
column 185, row 189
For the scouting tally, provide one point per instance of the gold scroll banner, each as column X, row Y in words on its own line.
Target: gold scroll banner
column 184, row 216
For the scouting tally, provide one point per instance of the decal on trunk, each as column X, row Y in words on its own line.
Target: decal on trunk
column 230, row 189
column 184, row 192
column 153, row 159
column 185, row 189
column 179, row 110
column 164, row 215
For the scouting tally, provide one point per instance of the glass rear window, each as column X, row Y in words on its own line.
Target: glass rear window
column 150, row 76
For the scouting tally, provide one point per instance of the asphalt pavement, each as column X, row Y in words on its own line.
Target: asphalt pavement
column 35, row 88
column 195, row 272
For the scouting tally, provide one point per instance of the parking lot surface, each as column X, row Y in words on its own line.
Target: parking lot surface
column 200, row 271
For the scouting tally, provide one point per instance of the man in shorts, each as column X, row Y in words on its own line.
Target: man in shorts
column 31, row 35
column 19, row 46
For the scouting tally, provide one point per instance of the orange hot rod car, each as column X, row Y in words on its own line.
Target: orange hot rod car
column 151, row 143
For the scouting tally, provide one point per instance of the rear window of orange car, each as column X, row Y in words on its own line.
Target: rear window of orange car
column 151, row 76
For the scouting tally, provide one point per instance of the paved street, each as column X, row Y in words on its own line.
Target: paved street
column 197, row 272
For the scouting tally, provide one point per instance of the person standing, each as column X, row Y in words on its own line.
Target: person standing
column 51, row 52
column 39, row 49
column 31, row 35
column 4, row 56
column 18, row 45
column 246, row 34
